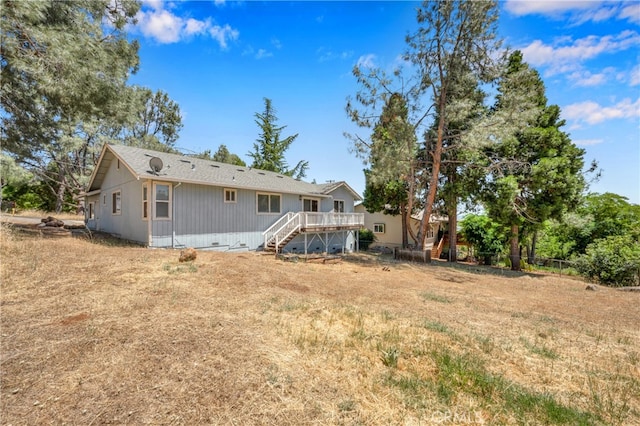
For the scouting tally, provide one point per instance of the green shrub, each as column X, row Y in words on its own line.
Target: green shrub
column 366, row 238
column 611, row 261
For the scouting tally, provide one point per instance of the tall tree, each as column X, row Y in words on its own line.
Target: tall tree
column 459, row 171
column 268, row 150
column 222, row 155
column 389, row 107
column 539, row 175
column 389, row 181
column 64, row 66
column 453, row 36
column 154, row 120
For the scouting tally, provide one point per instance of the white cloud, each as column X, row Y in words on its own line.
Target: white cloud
column 550, row 8
column 325, row 55
column 160, row 25
column 276, row 43
column 367, row 61
column 593, row 113
column 567, row 55
column 156, row 20
column 262, row 53
column 635, row 76
column 631, row 11
column 588, row 142
column 223, row 34
column 196, row 27
column 576, row 12
column 585, row 78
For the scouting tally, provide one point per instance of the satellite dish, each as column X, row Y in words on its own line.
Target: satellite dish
column 156, row 164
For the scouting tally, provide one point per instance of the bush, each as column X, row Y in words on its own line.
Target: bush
column 611, row 261
column 366, row 238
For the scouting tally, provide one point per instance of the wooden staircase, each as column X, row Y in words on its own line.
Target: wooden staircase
column 271, row 245
column 437, row 250
column 292, row 224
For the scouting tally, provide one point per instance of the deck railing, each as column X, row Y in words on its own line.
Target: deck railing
column 292, row 222
column 313, row 219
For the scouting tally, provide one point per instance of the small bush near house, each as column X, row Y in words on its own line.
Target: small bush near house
column 613, row 261
column 366, row 238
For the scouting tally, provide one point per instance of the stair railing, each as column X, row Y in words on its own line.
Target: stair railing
column 282, row 229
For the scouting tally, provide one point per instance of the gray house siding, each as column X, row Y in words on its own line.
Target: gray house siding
column 128, row 223
column 197, row 211
column 328, row 242
column 202, row 219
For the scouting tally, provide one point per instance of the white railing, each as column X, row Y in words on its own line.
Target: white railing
column 270, row 233
column 332, row 219
column 292, row 222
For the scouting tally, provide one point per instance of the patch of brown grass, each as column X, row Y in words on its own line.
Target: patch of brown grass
column 42, row 214
column 100, row 334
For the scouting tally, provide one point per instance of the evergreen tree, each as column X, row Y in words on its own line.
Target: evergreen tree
column 269, row 149
column 389, row 185
column 538, row 173
column 453, row 36
column 64, row 67
column 222, row 155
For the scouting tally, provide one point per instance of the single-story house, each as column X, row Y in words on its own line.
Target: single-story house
column 171, row 200
column 388, row 229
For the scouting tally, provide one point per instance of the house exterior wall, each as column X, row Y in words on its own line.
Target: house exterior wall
column 202, row 219
column 199, row 215
column 127, row 223
column 328, row 242
column 392, row 236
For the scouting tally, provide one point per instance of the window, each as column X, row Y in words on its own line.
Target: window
column 378, row 228
column 229, row 195
column 92, row 213
column 104, row 200
column 268, row 203
column 116, row 200
column 338, row 206
column 162, row 193
column 309, row 205
column 145, row 201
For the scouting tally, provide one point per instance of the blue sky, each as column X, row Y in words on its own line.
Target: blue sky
column 219, row 59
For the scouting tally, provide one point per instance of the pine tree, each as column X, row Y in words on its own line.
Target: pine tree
column 538, row 171
column 268, row 150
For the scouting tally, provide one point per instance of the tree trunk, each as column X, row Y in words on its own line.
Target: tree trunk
column 531, row 254
column 453, row 233
column 515, row 249
column 435, row 172
column 405, row 240
column 452, row 212
column 62, row 189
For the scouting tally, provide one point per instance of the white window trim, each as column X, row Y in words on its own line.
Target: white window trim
column 311, row 199
column 104, row 199
column 169, row 201
column 235, row 196
column 147, row 201
column 91, row 212
column 334, row 206
column 269, row 194
column 115, row 212
column 379, row 225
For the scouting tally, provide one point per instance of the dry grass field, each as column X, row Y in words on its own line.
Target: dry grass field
column 94, row 333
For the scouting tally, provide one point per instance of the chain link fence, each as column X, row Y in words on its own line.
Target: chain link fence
column 555, row 266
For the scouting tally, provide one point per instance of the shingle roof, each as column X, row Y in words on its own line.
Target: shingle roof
column 180, row 168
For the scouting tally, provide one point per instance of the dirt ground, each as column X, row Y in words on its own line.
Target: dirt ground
column 95, row 333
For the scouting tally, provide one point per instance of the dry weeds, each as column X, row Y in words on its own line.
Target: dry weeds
column 100, row 334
